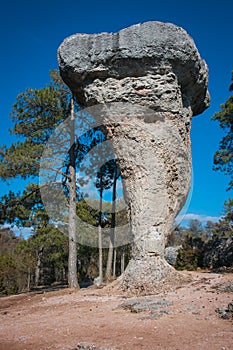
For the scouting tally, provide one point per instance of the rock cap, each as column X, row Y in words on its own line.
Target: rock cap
column 137, row 51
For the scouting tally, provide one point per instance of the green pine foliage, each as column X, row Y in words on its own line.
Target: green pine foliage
column 207, row 247
column 35, row 115
column 223, row 158
column 190, row 257
column 8, row 275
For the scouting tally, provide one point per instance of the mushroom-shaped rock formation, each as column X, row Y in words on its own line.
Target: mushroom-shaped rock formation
column 155, row 81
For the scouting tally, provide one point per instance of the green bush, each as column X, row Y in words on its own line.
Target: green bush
column 8, row 275
column 191, row 255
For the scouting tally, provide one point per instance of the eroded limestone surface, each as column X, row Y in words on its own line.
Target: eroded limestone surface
column 150, row 80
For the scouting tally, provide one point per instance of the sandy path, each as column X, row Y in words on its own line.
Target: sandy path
column 63, row 319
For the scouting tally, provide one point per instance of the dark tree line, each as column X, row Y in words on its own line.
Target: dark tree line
column 42, row 258
column 207, row 247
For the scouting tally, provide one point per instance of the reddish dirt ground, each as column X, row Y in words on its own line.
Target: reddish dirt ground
column 63, row 319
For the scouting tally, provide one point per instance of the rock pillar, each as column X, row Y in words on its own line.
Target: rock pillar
column 150, row 80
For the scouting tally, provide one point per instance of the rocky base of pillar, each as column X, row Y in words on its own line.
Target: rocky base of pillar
column 152, row 275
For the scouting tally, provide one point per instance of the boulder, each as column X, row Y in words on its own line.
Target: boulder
column 171, row 254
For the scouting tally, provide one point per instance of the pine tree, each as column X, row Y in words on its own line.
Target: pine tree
column 223, row 158
column 35, row 114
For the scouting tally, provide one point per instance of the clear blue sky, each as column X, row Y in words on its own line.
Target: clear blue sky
column 31, row 32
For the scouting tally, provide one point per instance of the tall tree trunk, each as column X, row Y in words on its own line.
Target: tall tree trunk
column 38, row 264
column 87, row 263
column 114, row 263
column 72, row 263
column 100, row 234
column 29, row 279
column 113, row 224
column 122, row 260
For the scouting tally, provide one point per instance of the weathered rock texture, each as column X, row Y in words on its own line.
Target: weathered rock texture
column 171, row 254
column 156, row 81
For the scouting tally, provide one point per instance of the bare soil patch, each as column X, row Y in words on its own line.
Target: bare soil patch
column 109, row 319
